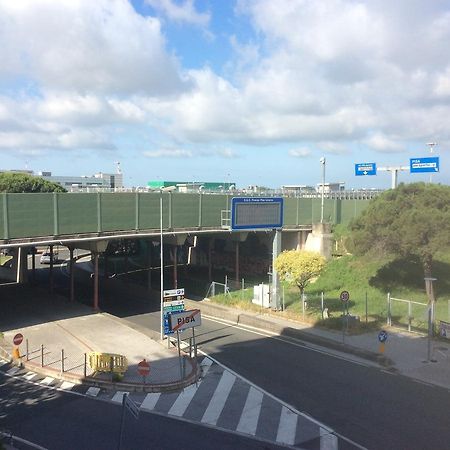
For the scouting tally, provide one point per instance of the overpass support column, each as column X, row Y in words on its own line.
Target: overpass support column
column 149, row 264
column 276, row 250
column 72, row 275
column 175, row 266
column 96, row 308
column 51, row 278
column 210, row 247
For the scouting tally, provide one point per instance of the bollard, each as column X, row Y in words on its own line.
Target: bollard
column 62, row 360
column 42, row 355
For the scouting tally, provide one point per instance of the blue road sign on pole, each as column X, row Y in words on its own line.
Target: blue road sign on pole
column 420, row 165
column 364, row 169
column 382, row 336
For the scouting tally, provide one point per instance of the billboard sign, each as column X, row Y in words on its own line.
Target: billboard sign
column 248, row 213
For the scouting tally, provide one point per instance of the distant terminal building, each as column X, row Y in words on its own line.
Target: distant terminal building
column 300, row 189
column 99, row 181
column 191, row 186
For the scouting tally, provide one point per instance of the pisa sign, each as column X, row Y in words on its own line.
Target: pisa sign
column 249, row 213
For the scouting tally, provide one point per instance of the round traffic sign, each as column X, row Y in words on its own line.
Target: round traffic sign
column 143, row 368
column 345, row 296
column 382, row 336
column 18, row 338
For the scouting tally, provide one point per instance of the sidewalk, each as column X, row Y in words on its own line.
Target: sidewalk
column 405, row 353
column 74, row 328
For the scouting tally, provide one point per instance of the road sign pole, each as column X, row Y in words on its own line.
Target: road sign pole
column 162, row 265
column 122, row 421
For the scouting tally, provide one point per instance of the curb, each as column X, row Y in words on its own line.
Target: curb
column 245, row 318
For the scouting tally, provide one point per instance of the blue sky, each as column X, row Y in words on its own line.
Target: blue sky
column 249, row 91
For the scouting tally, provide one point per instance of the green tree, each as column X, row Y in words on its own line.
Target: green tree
column 21, row 182
column 411, row 220
column 299, row 267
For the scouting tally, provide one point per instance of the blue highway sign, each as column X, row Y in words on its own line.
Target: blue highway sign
column 363, row 169
column 420, row 165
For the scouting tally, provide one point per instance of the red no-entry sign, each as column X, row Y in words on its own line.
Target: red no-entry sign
column 143, row 368
column 18, row 338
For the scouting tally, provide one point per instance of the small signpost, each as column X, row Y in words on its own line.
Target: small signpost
column 382, row 337
column 143, row 369
column 18, row 338
column 344, row 297
column 173, row 301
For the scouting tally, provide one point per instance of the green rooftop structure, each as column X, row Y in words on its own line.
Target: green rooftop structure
column 192, row 185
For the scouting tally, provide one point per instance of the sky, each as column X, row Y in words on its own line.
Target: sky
column 253, row 92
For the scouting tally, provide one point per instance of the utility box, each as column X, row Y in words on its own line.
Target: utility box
column 261, row 295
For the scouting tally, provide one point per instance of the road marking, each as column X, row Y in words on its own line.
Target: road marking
column 12, row 371
column 67, row 386
column 219, row 398
column 287, row 426
column 183, row 400
column 205, row 365
column 93, row 391
column 3, row 363
column 250, row 414
column 297, row 342
column 47, row 381
column 328, row 441
column 118, row 396
column 30, row 375
column 150, row 401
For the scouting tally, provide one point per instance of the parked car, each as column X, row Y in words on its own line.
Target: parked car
column 45, row 257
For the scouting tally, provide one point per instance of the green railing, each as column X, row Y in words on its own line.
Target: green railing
column 59, row 214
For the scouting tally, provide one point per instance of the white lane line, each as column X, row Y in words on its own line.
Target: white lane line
column 287, row 426
column 219, row 398
column 183, row 400
column 47, row 381
column 118, row 397
column 250, row 414
column 328, row 441
column 67, row 386
column 205, row 365
column 30, row 375
column 93, row 391
column 150, row 401
column 12, row 371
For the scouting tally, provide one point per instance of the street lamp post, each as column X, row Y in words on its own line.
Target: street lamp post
column 431, row 145
column 322, row 161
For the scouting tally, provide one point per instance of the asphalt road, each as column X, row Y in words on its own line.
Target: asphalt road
column 376, row 409
column 58, row 420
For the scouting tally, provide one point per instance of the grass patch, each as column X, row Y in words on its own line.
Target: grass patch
column 362, row 277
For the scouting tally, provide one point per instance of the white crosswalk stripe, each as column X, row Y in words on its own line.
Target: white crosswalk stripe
column 287, row 426
column 93, row 391
column 118, row 396
column 183, row 400
column 30, row 375
column 219, row 398
column 150, row 401
column 47, row 381
column 67, row 385
column 12, row 371
column 250, row 414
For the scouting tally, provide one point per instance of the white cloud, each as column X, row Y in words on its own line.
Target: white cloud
column 300, row 152
column 101, row 46
column 382, row 143
column 168, row 153
column 184, row 12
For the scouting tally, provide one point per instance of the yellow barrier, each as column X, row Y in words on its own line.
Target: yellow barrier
column 108, row 362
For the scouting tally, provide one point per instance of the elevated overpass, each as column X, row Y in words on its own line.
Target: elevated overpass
column 91, row 220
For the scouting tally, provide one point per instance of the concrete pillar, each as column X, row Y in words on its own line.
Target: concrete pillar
column 210, row 246
column 33, row 264
column 276, row 250
column 149, row 264
column 72, row 275
column 175, row 266
column 51, row 280
column 96, row 308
